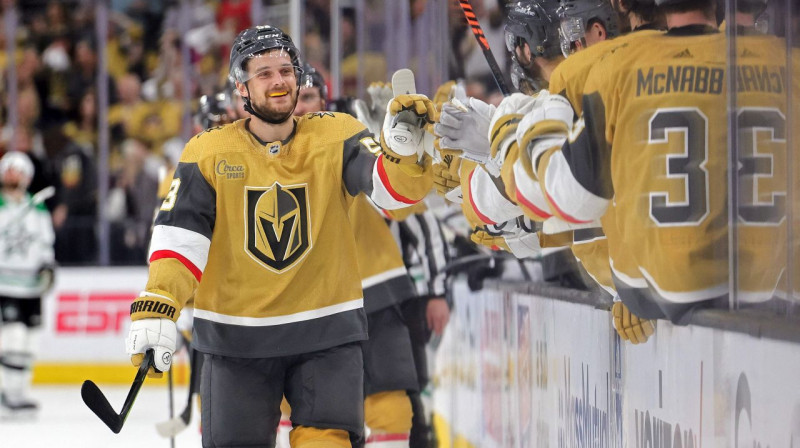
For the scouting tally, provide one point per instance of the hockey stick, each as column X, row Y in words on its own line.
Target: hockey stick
column 37, row 198
column 171, row 405
column 477, row 31
column 99, row 404
column 174, row 426
column 42, row 195
column 403, row 83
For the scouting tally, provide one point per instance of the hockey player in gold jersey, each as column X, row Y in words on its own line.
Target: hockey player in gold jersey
column 654, row 139
column 252, row 227
column 589, row 244
column 389, row 370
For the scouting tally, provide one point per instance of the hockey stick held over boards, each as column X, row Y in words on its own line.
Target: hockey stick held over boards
column 99, row 404
column 477, row 31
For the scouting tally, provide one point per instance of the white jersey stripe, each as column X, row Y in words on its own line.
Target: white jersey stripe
column 488, row 200
column 568, row 194
column 187, row 243
column 383, row 276
column 279, row 320
column 381, row 195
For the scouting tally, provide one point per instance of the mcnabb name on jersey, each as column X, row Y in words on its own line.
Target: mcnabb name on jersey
column 707, row 80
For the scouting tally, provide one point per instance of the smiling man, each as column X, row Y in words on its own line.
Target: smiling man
column 269, row 257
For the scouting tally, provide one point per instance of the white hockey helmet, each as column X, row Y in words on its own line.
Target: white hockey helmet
column 17, row 161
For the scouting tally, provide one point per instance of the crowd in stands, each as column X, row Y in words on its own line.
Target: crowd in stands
column 56, row 102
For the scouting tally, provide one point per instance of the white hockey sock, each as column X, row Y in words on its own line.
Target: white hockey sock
column 284, row 428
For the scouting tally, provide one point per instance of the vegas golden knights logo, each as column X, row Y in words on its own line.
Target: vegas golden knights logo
column 278, row 230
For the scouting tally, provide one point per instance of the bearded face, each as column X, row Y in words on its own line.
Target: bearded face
column 272, row 85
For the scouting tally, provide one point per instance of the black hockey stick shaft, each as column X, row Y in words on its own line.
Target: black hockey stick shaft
column 174, row 426
column 98, row 403
column 194, row 385
column 171, row 404
column 477, row 31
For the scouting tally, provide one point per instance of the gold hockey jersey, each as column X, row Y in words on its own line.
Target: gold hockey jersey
column 384, row 277
column 590, row 246
column 259, row 233
column 655, row 140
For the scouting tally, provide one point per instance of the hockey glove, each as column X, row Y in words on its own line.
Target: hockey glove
column 372, row 116
column 546, row 126
column 484, row 238
column 462, row 129
column 444, row 93
column 629, row 326
column 446, row 176
column 158, row 333
column 46, row 278
column 517, row 241
column 404, row 139
column 502, row 129
column 153, row 317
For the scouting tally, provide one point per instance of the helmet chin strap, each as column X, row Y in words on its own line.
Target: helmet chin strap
column 249, row 109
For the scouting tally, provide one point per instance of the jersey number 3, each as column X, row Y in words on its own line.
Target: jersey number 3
column 755, row 174
column 172, row 195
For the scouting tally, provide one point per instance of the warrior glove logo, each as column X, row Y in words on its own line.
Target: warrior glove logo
column 278, row 229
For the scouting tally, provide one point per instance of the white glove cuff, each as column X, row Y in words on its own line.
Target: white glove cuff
column 541, row 145
column 495, row 164
column 524, row 246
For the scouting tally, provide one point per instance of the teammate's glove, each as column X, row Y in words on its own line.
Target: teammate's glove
column 502, row 129
column 484, row 238
column 445, row 175
column 545, row 126
column 522, row 243
column 158, row 333
column 404, row 139
column 444, row 93
column 462, row 129
column 629, row 326
column 372, row 116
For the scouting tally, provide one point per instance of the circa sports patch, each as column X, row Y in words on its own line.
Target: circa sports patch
column 278, row 228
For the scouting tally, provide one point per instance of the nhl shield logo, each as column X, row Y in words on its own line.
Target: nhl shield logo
column 278, row 228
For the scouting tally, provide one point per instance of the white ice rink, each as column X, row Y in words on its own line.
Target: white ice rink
column 65, row 422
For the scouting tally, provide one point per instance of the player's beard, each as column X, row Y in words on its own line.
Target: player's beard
column 273, row 114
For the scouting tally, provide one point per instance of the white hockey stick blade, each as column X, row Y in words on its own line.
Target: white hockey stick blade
column 403, row 82
column 43, row 195
column 171, row 427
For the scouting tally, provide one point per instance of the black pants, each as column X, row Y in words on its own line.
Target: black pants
column 242, row 396
column 414, row 314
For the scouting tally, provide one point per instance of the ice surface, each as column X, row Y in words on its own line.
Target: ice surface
column 65, row 421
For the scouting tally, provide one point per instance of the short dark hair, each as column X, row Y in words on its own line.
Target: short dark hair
column 647, row 11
